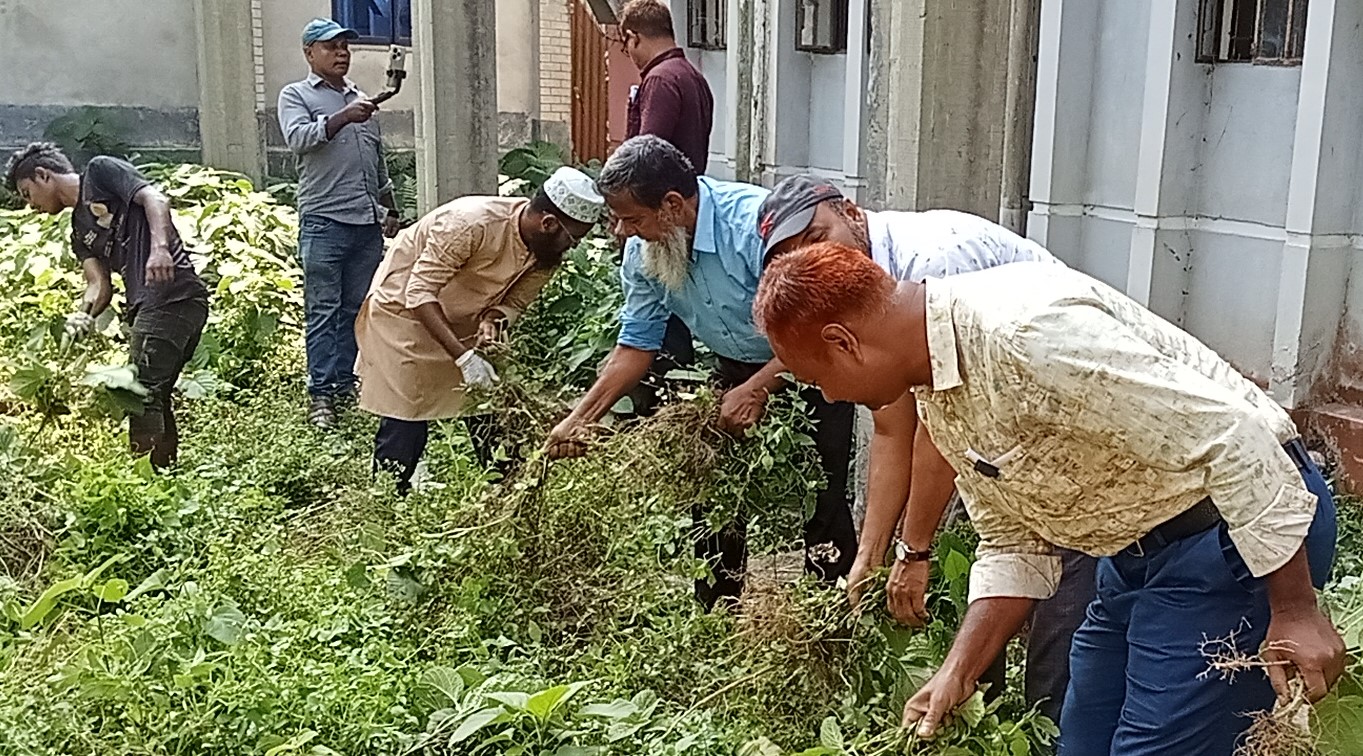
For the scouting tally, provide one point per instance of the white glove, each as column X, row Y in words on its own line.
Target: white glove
column 79, row 325
column 477, row 371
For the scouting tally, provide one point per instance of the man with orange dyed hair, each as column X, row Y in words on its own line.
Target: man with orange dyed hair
column 1074, row 417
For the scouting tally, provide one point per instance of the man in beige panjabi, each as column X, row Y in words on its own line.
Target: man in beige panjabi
column 450, row 285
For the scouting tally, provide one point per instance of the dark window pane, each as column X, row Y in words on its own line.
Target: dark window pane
column 1244, row 16
column 1297, row 39
column 1273, row 29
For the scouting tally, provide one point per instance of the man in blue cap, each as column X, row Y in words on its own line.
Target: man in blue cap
column 345, row 204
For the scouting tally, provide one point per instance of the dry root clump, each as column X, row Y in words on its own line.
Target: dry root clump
column 1283, row 731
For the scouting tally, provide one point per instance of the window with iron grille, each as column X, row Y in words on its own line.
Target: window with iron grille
column 1252, row 31
column 379, row 22
column 821, row 26
column 705, row 23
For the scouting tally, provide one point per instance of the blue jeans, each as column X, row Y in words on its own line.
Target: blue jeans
column 1137, row 686
column 339, row 260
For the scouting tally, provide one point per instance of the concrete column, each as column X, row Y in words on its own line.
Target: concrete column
column 229, row 128
column 741, row 51
column 1160, row 50
column 1316, row 255
column 456, row 119
column 947, row 72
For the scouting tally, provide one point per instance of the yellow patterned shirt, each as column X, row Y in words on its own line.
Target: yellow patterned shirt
column 1101, row 420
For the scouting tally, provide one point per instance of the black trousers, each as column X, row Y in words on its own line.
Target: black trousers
column 161, row 343
column 830, row 535
column 678, row 352
column 399, row 444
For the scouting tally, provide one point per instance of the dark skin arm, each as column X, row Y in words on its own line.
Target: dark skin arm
column 988, row 626
column 160, row 265
column 626, row 367
column 743, row 405
column 433, row 318
column 1300, row 638
column 934, row 480
column 887, row 486
column 99, row 289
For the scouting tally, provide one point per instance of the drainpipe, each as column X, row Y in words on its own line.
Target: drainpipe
column 1024, row 20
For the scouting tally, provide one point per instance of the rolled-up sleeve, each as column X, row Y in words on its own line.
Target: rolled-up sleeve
column 449, row 244
column 1171, row 417
column 643, row 319
column 1011, row 561
column 302, row 132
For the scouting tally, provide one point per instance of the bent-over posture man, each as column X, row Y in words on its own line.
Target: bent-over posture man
column 452, row 284
column 121, row 222
column 698, row 255
column 1074, row 417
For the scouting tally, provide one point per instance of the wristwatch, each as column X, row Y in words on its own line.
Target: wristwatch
column 905, row 553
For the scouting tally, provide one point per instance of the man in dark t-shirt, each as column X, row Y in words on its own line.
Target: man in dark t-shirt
column 119, row 222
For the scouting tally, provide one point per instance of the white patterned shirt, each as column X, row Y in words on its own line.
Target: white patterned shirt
column 940, row 243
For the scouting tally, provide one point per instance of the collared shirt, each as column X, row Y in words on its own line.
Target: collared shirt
column 939, row 243
column 674, row 102
column 716, row 302
column 467, row 256
column 341, row 178
column 1102, row 421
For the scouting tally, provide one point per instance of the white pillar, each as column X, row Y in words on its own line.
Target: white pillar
column 456, row 118
column 855, row 99
column 229, row 127
column 1290, row 379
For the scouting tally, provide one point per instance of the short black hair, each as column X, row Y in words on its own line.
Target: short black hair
column 647, row 18
column 648, row 167
column 25, row 162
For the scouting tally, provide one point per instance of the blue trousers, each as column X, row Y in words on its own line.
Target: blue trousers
column 339, row 260
column 1137, row 686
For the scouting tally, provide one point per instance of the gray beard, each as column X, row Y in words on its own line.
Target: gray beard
column 669, row 260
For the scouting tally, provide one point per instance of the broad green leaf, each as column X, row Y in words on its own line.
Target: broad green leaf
column 546, row 702
column 47, row 601
column 112, row 591
column 29, row 380
column 225, row 625
column 114, row 378
column 475, row 722
column 154, row 582
column 759, row 747
column 830, row 735
column 973, row 710
column 617, row 709
column 511, row 699
column 440, row 687
column 472, row 676
column 1339, row 724
column 294, row 743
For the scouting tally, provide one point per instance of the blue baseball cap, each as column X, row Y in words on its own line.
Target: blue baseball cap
column 323, row 29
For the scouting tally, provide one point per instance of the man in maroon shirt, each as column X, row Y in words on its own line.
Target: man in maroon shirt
column 673, row 102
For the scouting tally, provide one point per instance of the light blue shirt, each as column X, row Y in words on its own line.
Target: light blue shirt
column 716, row 303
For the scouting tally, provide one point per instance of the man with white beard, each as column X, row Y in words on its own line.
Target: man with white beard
column 697, row 254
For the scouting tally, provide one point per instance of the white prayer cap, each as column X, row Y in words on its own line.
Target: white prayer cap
column 574, row 192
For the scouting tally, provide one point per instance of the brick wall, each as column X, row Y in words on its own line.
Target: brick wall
column 555, row 62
